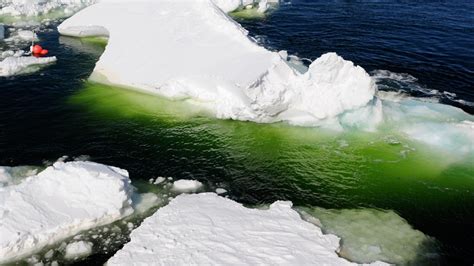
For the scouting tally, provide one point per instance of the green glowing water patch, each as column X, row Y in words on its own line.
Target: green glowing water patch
column 100, row 41
column 112, row 101
column 267, row 162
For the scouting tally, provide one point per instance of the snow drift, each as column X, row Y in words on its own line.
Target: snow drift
column 59, row 202
column 209, row 229
column 192, row 50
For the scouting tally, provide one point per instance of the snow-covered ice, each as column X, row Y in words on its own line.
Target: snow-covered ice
column 27, row 35
column 59, row 202
column 78, row 249
column 192, row 50
column 205, row 229
column 186, row 186
column 14, row 65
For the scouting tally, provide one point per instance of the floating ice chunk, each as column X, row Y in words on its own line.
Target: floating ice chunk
column 221, row 191
column 369, row 235
column 145, row 201
column 14, row 65
column 159, row 180
column 206, row 229
column 59, row 202
column 27, row 35
column 78, row 249
column 186, row 186
column 195, row 51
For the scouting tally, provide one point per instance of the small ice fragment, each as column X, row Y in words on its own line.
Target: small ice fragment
column 49, row 254
column 158, row 180
column 27, row 35
column 78, row 249
column 145, row 201
column 186, row 186
column 220, row 191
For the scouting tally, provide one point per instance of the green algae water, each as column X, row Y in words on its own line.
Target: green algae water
column 261, row 163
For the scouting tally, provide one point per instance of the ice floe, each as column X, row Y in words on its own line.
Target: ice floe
column 78, row 249
column 186, row 186
column 209, row 229
column 59, row 202
column 14, row 65
column 192, row 50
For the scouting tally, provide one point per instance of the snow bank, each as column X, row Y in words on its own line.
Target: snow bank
column 59, row 202
column 186, row 186
column 40, row 7
column 208, row 229
column 78, row 249
column 14, row 65
column 370, row 235
column 192, row 50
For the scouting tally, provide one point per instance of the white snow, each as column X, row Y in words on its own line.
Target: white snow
column 59, row 202
column 78, row 249
column 14, row 65
column 191, row 50
column 205, row 229
column 186, row 186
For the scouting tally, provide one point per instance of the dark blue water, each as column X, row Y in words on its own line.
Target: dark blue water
column 432, row 42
